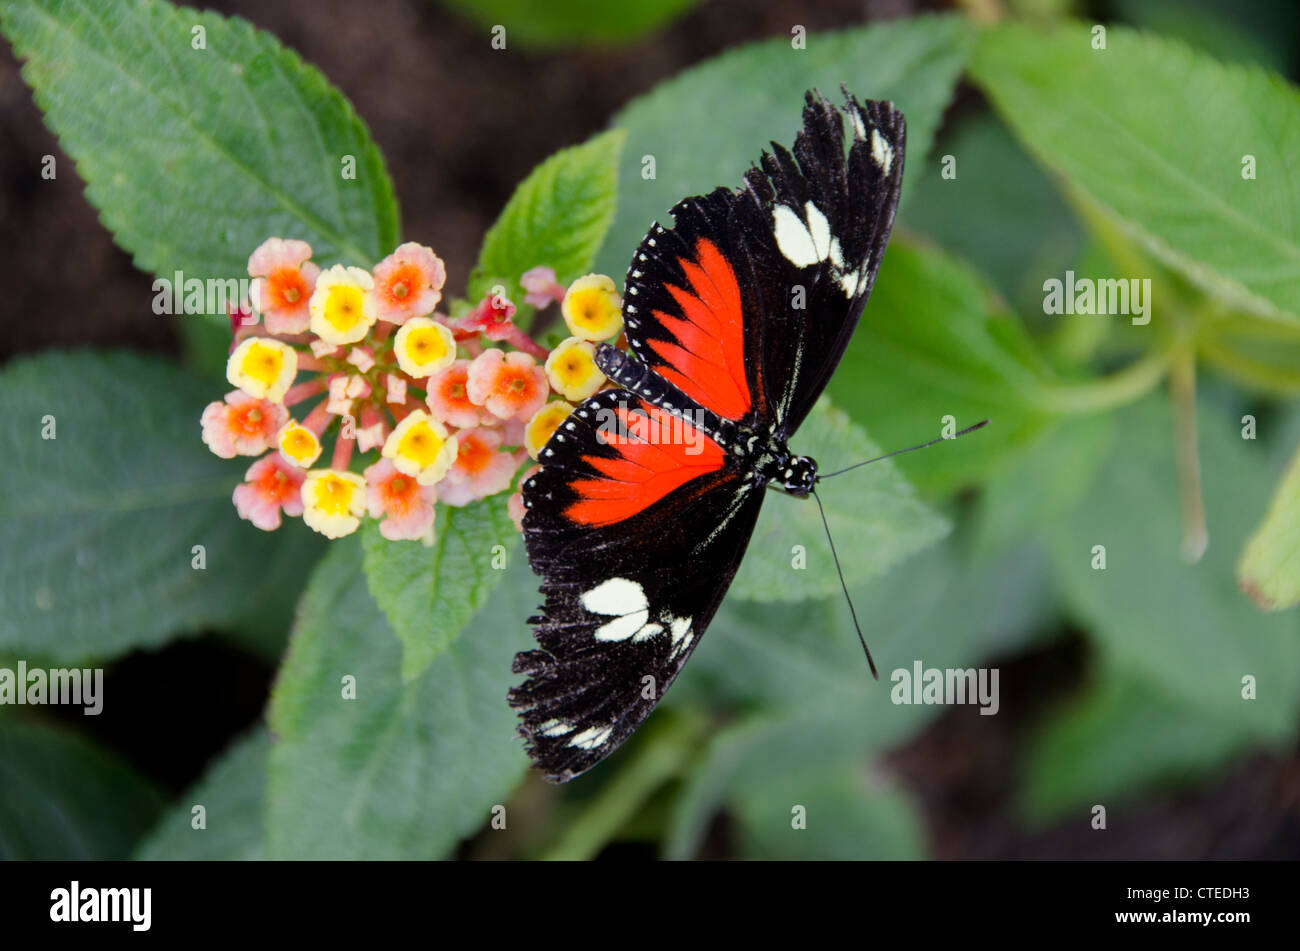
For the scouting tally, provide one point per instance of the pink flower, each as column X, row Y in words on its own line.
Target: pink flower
column 240, row 317
column 408, row 283
column 284, row 279
column 512, row 431
column 270, row 486
column 394, row 389
column 511, row 386
column 405, row 506
column 515, row 506
column 363, row 358
column 449, row 401
column 242, row 426
column 493, row 317
column 541, row 287
column 480, row 469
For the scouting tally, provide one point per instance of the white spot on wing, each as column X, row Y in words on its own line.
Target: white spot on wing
column 882, row 151
column 859, row 131
column 820, row 229
column 621, row 628
column 647, row 632
column 616, row 596
column 793, row 237
column 592, row 737
column 837, row 253
column 849, row 283
column 680, row 626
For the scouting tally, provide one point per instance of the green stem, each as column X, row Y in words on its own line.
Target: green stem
column 662, row 755
column 1118, row 389
column 1248, row 370
column 1182, row 390
column 1236, row 324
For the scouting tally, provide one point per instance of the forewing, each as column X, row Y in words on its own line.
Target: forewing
column 749, row 301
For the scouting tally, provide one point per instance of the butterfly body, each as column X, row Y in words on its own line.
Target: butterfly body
column 649, row 491
column 762, row 457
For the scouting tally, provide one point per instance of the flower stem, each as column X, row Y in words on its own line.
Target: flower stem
column 1118, row 389
column 1182, row 390
column 661, row 755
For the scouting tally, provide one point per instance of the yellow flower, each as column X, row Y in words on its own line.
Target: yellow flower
column 592, row 308
column 572, row 369
column 343, row 305
column 421, row 448
column 263, row 368
column 299, row 445
column 333, row 501
column 545, row 422
column 423, row 347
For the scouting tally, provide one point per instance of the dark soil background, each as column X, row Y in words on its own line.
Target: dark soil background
column 460, row 125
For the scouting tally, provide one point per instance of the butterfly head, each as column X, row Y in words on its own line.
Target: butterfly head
column 799, row 476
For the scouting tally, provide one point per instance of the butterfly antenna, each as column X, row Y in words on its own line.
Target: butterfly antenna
column 898, row 452
column 856, row 626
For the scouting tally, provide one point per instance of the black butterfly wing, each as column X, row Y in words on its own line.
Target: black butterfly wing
column 745, row 306
column 748, row 303
column 637, row 521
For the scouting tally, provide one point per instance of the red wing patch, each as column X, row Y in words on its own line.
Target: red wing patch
column 657, row 454
column 707, row 362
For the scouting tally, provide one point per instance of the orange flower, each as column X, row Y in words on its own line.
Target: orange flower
column 405, row 506
column 480, row 469
column 242, row 425
column 408, row 283
column 511, row 386
column 448, row 399
column 271, row 485
column 284, row 280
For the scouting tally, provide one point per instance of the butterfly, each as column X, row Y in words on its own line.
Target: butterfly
column 648, row 493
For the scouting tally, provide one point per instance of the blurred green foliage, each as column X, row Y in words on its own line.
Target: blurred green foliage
column 1125, row 161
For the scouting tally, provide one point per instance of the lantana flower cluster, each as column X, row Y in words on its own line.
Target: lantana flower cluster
column 361, row 400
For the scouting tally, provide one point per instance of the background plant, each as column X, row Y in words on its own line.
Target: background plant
column 1122, row 162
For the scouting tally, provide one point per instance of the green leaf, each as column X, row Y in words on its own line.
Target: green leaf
column 1040, row 486
column 1251, row 33
column 1118, row 740
column 429, row 594
column 706, row 126
column 1186, row 629
column 1168, row 164
column 66, row 799
column 761, row 767
column 195, row 156
column 232, row 793
column 947, row 607
column 934, row 343
column 407, row 769
column 557, row 217
column 1269, row 570
column 98, row 525
column 561, row 23
column 998, row 210
column 847, row 815
column 799, row 667
column 875, row 518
